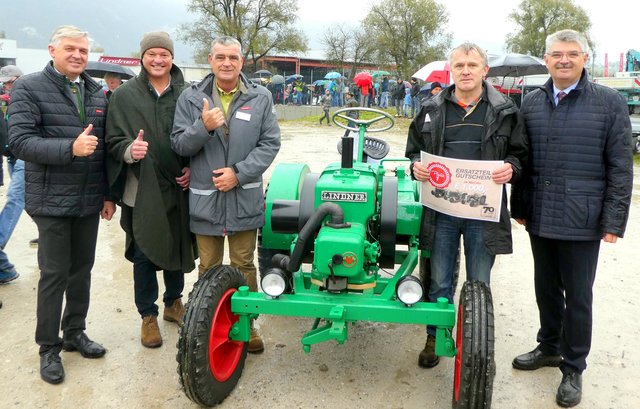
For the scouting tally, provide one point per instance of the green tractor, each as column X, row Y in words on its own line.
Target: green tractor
column 346, row 226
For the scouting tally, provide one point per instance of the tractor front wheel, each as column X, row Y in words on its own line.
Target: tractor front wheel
column 474, row 364
column 209, row 363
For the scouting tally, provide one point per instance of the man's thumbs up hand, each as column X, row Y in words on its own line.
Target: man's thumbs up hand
column 212, row 118
column 139, row 147
column 85, row 143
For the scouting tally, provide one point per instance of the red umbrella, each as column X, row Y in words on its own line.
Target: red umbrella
column 363, row 79
column 434, row 71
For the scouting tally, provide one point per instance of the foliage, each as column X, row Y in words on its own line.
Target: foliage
column 347, row 46
column 261, row 26
column 408, row 33
column 536, row 19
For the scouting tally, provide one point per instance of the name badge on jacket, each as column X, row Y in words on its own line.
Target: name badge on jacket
column 243, row 116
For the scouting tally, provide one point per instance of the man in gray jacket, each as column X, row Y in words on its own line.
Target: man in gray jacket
column 228, row 127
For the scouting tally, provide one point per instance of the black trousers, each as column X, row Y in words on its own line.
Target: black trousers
column 564, row 274
column 66, row 252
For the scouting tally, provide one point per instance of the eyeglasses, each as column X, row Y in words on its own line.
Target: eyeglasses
column 571, row 55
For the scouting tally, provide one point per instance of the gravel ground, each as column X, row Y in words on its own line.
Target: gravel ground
column 375, row 368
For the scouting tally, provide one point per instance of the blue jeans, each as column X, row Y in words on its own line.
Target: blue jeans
column 145, row 283
column 415, row 107
column 384, row 99
column 12, row 210
column 445, row 252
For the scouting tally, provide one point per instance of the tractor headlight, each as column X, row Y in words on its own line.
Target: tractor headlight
column 409, row 290
column 274, row 282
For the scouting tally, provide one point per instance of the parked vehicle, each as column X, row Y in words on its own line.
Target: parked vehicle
column 626, row 82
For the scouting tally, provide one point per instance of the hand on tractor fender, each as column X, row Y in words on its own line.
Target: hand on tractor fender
column 224, row 179
column 420, row 172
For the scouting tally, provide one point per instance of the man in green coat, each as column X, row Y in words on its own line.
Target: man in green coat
column 151, row 181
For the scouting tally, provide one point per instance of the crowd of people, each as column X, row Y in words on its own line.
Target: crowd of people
column 185, row 162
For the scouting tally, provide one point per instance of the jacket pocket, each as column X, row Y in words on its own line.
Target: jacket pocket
column 250, row 200
column 583, row 202
column 204, row 205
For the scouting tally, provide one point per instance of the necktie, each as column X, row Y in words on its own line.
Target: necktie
column 80, row 105
column 561, row 95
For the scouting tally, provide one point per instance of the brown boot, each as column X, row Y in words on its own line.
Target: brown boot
column 175, row 313
column 256, row 345
column 150, row 332
column 428, row 357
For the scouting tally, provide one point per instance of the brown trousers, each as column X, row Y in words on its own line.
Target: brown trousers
column 242, row 246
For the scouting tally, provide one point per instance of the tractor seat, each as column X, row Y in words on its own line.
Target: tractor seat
column 374, row 148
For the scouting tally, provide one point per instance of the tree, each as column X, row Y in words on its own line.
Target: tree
column 347, row 46
column 536, row 19
column 409, row 33
column 261, row 26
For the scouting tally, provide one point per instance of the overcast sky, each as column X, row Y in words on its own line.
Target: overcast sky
column 118, row 25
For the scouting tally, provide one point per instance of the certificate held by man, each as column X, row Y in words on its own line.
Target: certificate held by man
column 461, row 188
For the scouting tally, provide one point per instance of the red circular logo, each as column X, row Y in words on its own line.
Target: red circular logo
column 439, row 175
column 349, row 259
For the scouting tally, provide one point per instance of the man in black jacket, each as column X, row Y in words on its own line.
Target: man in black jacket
column 56, row 125
column 575, row 192
column 469, row 120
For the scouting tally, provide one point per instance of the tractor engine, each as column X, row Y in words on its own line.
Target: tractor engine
column 347, row 223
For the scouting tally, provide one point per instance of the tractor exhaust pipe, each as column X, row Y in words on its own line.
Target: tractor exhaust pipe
column 292, row 264
column 347, row 152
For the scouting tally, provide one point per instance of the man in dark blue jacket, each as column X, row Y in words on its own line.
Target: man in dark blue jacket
column 575, row 192
column 56, row 125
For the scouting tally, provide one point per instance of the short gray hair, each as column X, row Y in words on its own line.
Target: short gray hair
column 109, row 75
column 67, row 31
column 567, row 36
column 226, row 40
column 467, row 48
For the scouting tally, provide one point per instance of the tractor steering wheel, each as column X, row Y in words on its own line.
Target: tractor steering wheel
column 366, row 122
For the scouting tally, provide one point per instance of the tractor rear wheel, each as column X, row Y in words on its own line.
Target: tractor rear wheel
column 474, row 364
column 209, row 363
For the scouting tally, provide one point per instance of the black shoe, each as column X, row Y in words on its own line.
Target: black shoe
column 570, row 390
column 84, row 345
column 51, row 369
column 535, row 359
column 428, row 357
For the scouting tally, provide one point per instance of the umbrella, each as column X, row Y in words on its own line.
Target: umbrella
column 260, row 73
column 363, row 78
column 515, row 65
column 277, row 79
column 290, row 78
column 321, row 82
column 98, row 69
column 434, row 71
column 380, row 72
column 332, row 75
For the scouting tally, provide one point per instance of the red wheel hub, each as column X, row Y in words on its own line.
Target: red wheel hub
column 458, row 361
column 224, row 354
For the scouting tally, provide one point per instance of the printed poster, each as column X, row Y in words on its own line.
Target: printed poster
column 461, row 188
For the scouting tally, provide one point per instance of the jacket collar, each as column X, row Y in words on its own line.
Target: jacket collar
column 582, row 83
column 206, row 85
column 61, row 81
column 497, row 100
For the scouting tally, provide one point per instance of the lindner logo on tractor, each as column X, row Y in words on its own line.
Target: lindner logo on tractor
column 344, row 196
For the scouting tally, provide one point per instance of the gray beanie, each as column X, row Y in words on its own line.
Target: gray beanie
column 156, row 39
